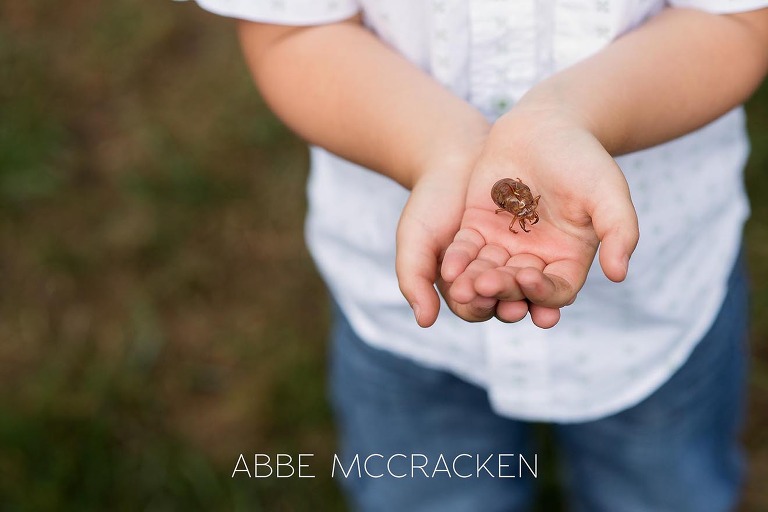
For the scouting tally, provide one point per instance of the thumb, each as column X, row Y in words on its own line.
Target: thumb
column 416, row 266
column 615, row 223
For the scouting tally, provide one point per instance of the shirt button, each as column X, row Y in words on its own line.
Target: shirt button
column 501, row 105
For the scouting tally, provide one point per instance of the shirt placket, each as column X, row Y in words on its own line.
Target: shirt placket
column 502, row 53
column 449, row 44
column 581, row 27
column 503, row 65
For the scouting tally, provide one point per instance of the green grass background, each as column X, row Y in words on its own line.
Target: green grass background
column 152, row 265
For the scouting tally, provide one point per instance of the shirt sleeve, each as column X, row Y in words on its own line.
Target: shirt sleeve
column 720, row 6
column 283, row 12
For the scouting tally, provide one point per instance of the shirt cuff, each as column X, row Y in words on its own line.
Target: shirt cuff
column 283, row 12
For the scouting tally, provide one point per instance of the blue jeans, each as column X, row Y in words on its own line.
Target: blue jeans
column 676, row 451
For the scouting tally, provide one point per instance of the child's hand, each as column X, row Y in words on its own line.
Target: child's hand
column 427, row 227
column 584, row 202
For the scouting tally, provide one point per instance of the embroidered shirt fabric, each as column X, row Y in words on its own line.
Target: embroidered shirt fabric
column 618, row 342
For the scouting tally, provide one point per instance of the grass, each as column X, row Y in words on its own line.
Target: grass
column 151, row 215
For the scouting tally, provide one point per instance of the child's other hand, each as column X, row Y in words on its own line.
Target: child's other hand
column 584, row 202
column 427, row 226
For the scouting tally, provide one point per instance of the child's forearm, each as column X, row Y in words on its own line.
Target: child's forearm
column 341, row 88
column 674, row 74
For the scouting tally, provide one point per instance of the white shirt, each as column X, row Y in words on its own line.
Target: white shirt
column 618, row 342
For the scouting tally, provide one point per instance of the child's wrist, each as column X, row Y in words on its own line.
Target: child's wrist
column 541, row 118
column 453, row 162
column 553, row 104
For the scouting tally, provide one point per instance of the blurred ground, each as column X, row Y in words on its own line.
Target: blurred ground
column 152, row 268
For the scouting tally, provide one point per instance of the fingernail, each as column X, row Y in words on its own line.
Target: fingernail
column 625, row 261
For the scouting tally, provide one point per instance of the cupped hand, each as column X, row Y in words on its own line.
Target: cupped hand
column 427, row 226
column 585, row 203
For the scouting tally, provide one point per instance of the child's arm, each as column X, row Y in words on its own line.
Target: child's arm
column 341, row 88
column 679, row 71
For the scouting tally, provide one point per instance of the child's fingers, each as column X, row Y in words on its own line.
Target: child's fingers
column 461, row 296
column 415, row 279
column 514, row 311
column 489, row 257
column 500, row 282
column 511, row 311
column 478, row 309
column 416, row 268
column 616, row 248
column 463, row 250
column 615, row 223
column 556, row 286
column 543, row 316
